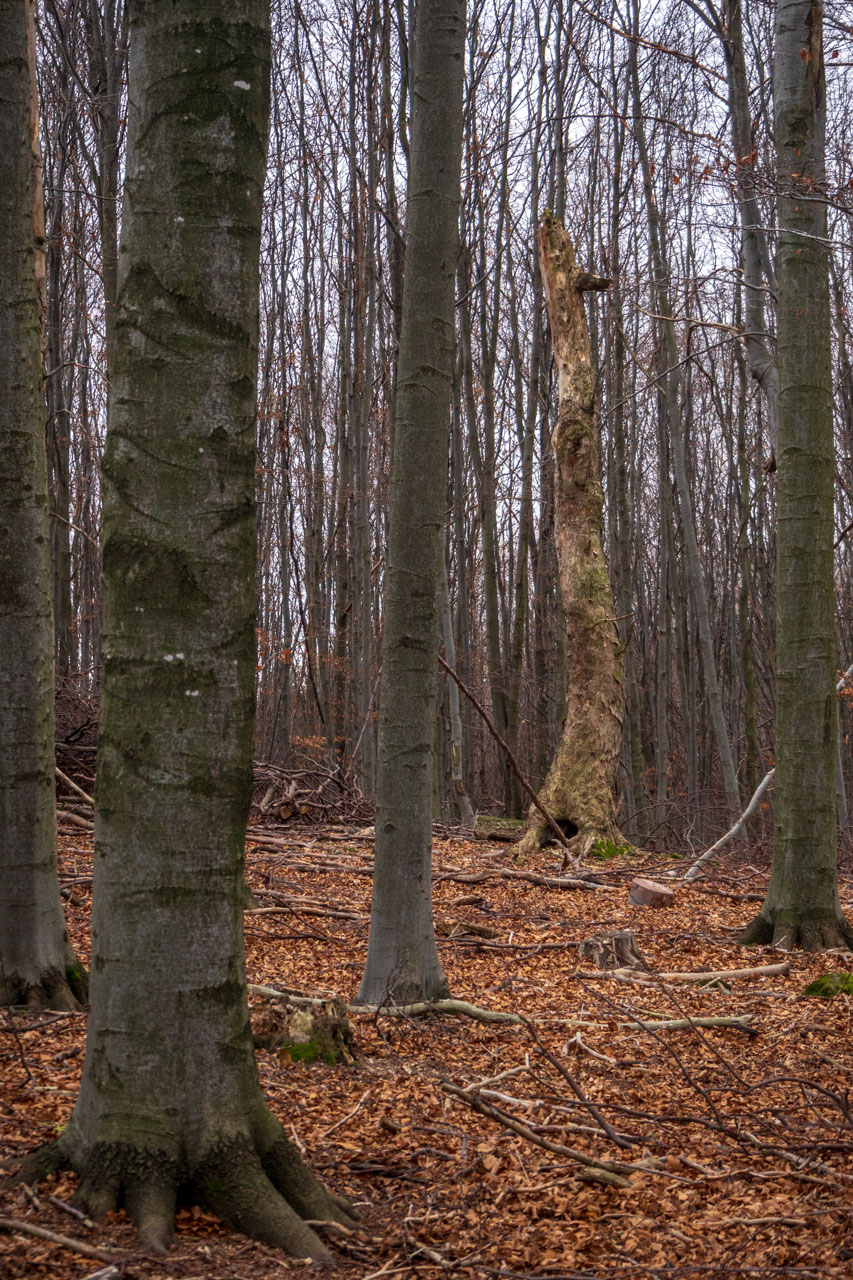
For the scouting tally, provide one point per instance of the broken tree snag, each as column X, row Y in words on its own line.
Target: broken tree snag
column 579, row 786
column 648, row 893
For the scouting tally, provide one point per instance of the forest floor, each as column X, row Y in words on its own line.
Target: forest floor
column 748, row 1131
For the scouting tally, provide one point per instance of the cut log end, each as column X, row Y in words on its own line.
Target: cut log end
column 648, row 893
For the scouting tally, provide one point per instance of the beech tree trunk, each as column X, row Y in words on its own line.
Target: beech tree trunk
column 37, row 964
column 578, row 790
column 170, row 1100
column 402, row 957
column 802, row 906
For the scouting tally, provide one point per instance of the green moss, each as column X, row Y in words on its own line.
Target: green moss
column 603, row 850
column 313, row 1051
column 830, row 985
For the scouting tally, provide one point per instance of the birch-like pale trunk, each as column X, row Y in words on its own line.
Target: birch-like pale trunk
column 579, row 788
column 37, row 965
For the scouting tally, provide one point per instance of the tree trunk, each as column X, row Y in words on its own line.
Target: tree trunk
column 170, row 1100
column 402, row 958
column 578, row 790
column 802, row 905
column 37, row 965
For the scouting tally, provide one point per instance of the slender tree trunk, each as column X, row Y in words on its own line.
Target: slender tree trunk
column 672, row 384
column 802, row 905
column 170, row 1100
column 402, row 957
column 579, row 789
column 461, row 803
column 37, row 965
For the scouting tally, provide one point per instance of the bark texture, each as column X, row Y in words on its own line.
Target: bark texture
column 402, row 958
column 37, row 964
column 170, row 1101
column 802, row 906
column 578, row 790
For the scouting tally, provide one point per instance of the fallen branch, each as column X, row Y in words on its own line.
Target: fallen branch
column 544, row 882
column 716, row 975
column 464, row 1009
column 461, row 1007
column 62, row 815
column 65, row 1242
column 611, row 1172
column 511, row 760
column 692, row 872
column 72, row 786
column 741, row 1022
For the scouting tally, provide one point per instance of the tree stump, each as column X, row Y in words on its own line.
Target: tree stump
column 306, row 1033
column 648, row 893
column 617, row 950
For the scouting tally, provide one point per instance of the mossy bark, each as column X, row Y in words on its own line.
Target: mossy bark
column 170, row 1101
column 802, row 906
column 402, row 957
column 37, row 964
column 580, row 783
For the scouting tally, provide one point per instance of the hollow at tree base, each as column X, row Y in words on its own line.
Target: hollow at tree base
column 265, row 1196
column 580, row 840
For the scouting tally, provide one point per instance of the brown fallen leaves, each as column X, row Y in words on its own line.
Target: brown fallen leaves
column 738, row 1146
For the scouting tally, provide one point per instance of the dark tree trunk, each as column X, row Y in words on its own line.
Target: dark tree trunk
column 37, row 965
column 802, row 906
column 402, row 958
column 170, row 1100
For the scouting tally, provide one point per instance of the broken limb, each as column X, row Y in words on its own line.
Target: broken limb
column 735, row 830
column 550, row 820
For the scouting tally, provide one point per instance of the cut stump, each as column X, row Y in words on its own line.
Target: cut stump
column 648, row 893
column 617, row 950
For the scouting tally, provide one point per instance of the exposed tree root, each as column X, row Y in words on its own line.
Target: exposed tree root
column 788, row 929
column 266, row 1196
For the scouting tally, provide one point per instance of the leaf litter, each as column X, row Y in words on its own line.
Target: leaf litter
column 583, row 1142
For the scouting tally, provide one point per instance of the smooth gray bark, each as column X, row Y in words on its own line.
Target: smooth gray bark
column 802, row 905
column 170, row 1101
column 37, row 965
column 402, row 957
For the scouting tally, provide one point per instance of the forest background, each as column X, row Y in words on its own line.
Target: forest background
column 561, row 101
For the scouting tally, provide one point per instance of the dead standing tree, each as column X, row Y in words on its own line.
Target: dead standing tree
column 578, row 790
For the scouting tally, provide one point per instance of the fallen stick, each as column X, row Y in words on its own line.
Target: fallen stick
column 62, row 815
column 461, row 1007
column 464, row 1009
column 741, row 1022
column 41, row 1233
column 544, row 882
column 511, row 760
column 610, row 1171
column 715, row 975
column 692, row 872
column 69, row 782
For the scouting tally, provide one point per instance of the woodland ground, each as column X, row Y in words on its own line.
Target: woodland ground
column 753, row 1133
